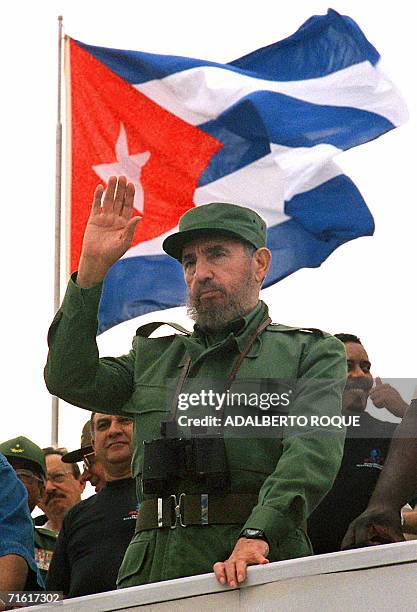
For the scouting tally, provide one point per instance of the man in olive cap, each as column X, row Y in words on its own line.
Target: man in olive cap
column 28, row 461
column 205, row 501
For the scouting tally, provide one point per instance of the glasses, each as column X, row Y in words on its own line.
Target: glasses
column 29, row 476
column 88, row 460
column 58, row 477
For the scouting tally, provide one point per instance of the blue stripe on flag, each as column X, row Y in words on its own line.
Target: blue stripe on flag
column 247, row 128
column 322, row 219
column 304, row 55
column 136, row 285
column 335, row 207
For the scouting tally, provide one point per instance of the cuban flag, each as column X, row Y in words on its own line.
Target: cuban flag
column 260, row 131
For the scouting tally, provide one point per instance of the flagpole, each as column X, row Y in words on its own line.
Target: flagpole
column 58, row 190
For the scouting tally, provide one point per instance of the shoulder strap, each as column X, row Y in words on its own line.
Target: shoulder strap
column 144, row 331
column 278, row 327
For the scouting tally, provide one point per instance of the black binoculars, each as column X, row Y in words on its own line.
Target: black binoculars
column 169, row 460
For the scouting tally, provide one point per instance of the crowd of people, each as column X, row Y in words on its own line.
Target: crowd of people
column 170, row 504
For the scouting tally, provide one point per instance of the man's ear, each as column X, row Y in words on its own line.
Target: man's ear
column 262, row 260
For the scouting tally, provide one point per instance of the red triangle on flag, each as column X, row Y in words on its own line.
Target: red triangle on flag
column 116, row 129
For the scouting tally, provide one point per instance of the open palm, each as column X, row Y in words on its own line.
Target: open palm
column 109, row 231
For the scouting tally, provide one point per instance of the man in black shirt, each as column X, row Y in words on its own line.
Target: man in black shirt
column 97, row 531
column 365, row 451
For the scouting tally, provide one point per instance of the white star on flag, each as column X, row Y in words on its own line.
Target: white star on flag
column 126, row 165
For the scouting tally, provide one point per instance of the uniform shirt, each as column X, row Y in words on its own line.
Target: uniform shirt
column 92, row 541
column 45, row 540
column 290, row 473
column 366, row 449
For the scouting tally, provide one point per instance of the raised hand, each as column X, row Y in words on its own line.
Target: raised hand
column 384, row 395
column 109, row 231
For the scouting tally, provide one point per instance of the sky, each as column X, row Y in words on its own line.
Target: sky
column 366, row 287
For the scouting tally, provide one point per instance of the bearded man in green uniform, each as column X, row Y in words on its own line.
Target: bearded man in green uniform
column 28, row 461
column 219, row 501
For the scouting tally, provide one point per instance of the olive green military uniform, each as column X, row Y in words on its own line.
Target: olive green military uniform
column 45, row 541
column 289, row 474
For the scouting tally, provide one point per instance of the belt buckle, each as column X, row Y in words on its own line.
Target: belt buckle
column 177, row 510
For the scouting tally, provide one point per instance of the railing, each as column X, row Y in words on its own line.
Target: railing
column 380, row 578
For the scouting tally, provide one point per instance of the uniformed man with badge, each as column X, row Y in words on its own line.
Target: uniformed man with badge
column 216, row 500
column 28, row 461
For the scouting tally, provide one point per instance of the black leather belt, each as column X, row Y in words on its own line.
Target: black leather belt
column 201, row 509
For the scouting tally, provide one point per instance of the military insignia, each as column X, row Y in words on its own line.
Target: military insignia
column 17, row 449
column 43, row 558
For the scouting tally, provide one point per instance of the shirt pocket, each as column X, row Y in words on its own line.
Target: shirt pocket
column 135, row 566
column 148, row 406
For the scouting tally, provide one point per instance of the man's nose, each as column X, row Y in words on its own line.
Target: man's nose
column 49, row 485
column 115, row 427
column 85, row 476
column 203, row 269
column 355, row 372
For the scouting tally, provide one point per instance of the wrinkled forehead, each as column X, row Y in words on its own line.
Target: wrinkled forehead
column 205, row 243
column 54, row 461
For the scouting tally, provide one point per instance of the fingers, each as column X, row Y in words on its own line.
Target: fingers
column 120, row 195
column 356, row 537
column 129, row 199
column 130, row 229
column 118, row 198
column 378, row 395
column 234, row 572
column 349, row 539
column 241, row 571
column 219, row 572
column 98, row 193
column 108, row 200
column 230, row 567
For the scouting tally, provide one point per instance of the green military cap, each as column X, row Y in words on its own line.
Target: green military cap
column 218, row 219
column 86, row 446
column 23, row 448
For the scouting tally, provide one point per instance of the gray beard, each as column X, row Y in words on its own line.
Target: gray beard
column 216, row 317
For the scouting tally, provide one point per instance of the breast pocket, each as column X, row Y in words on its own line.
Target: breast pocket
column 135, row 567
column 149, row 407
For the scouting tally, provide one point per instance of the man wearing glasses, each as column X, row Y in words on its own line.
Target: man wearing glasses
column 63, row 487
column 29, row 464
